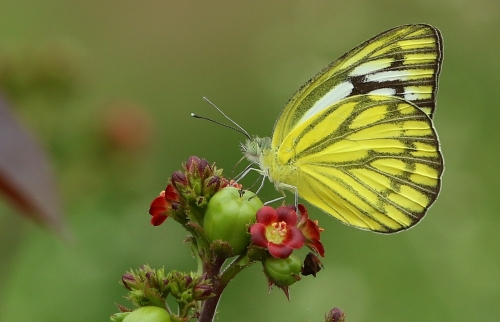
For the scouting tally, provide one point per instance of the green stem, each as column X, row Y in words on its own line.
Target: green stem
column 199, row 261
column 184, row 312
column 236, row 266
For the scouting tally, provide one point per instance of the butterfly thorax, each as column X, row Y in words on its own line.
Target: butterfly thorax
column 253, row 148
column 260, row 151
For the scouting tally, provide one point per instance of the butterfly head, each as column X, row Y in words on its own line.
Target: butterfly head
column 252, row 149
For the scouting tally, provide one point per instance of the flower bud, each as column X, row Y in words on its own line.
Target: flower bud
column 229, row 213
column 204, row 166
column 335, row 315
column 187, row 281
column 202, row 292
column 179, row 180
column 145, row 285
column 148, row 314
column 192, row 163
column 282, row 272
column 174, row 288
column 211, row 185
column 128, row 280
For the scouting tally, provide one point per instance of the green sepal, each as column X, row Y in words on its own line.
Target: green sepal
column 118, row 317
column 154, row 298
column 222, row 249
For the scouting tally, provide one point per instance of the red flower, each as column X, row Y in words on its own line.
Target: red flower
column 276, row 230
column 161, row 206
column 311, row 231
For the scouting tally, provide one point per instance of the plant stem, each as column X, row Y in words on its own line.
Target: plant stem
column 209, row 306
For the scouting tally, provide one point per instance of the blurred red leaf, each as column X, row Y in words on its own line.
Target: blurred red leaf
column 26, row 178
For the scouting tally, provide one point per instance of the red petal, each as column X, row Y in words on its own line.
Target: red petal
column 170, row 193
column 258, row 232
column 157, row 220
column 304, row 217
column 279, row 251
column 310, row 229
column 294, row 238
column 158, row 206
column 288, row 215
column 266, row 215
column 317, row 246
column 303, row 210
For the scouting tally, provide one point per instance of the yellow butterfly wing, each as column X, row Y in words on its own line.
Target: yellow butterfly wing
column 372, row 162
column 357, row 140
column 404, row 62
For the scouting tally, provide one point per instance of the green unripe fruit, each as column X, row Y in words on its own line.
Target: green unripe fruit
column 283, row 272
column 148, row 314
column 228, row 216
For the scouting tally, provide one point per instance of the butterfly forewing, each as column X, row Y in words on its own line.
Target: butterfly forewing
column 371, row 161
column 402, row 62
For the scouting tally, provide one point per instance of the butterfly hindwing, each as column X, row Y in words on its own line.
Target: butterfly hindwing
column 371, row 161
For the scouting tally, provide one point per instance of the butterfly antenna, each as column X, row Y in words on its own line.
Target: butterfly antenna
column 240, row 129
column 220, row 123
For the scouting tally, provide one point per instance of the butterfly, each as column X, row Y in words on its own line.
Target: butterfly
column 357, row 140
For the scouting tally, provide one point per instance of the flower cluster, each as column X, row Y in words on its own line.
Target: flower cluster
column 224, row 221
column 188, row 193
column 192, row 187
column 150, row 287
column 280, row 231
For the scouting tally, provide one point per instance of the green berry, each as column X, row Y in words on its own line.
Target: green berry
column 282, row 272
column 148, row 314
column 228, row 216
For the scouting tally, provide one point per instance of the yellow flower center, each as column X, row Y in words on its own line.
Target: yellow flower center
column 276, row 232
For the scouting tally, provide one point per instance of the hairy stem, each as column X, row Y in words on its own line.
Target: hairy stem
column 209, row 306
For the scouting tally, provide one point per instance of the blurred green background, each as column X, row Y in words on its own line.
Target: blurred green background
column 107, row 88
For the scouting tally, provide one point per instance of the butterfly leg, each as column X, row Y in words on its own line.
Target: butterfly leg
column 271, row 201
column 246, row 171
column 262, row 183
column 290, row 187
column 243, row 173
